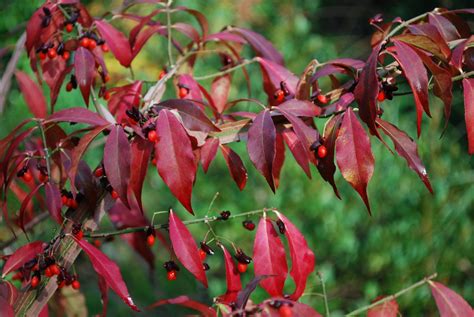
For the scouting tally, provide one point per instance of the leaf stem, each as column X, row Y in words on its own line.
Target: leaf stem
column 405, row 24
column 392, row 297
column 47, row 155
column 106, row 234
column 168, row 26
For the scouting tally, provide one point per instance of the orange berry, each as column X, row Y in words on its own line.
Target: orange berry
column 64, row 200
column 106, row 95
column 52, row 53
column 66, row 55
column 18, row 276
column 35, row 281
column 153, row 161
column 69, row 86
column 42, row 56
column 97, row 243
column 242, row 267
column 79, row 235
column 114, row 194
column 171, row 275
column 279, row 95
column 69, row 27
column 162, row 74
column 322, row 99
column 105, row 48
column 54, row 269
column 75, row 284
column 152, row 136
column 285, row 311
column 99, row 172
column 202, row 254
column 183, row 92
column 84, row 42
column 150, row 240
column 92, row 44
column 27, row 177
column 48, row 272
column 322, row 151
column 381, row 96
column 106, row 78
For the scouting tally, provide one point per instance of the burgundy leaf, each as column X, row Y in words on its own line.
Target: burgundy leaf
column 140, row 153
column 236, row 166
column 297, row 309
column 187, row 81
column 187, row 30
column 300, row 108
column 417, row 77
column 6, row 310
column 354, row 155
column 8, row 292
column 261, row 145
column 234, row 285
column 468, row 86
column 366, row 91
column 244, row 295
column 432, row 33
column 108, row 270
column 423, row 42
column 186, row 302
column 208, row 152
column 273, row 74
column 269, row 258
column 84, row 69
column 450, row 304
column 406, row 148
column 117, row 156
column 175, row 158
column 77, row 115
column 117, row 42
column 185, row 248
column 260, row 45
column 21, row 256
column 124, row 98
column 53, row 201
column 444, row 26
column 326, row 166
column 279, row 159
column 220, row 89
column 25, row 203
column 302, row 258
column 297, row 149
column 33, row 95
column 458, row 54
column 386, row 309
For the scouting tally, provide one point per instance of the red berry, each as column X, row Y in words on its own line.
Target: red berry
column 162, row 74
column 171, row 276
column 99, row 172
column 381, row 96
column 35, row 281
column 69, row 27
column 202, row 254
column 183, row 92
column 76, row 285
column 54, row 269
column 42, row 56
column 105, row 48
column 322, row 151
column 66, row 55
column 52, row 53
column 97, row 243
column 84, row 42
column 114, row 194
column 69, row 86
column 92, row 44
column 106, row 78
column 27, row 177
column 242, row 267
column 279, row 95
column 64, row 200
column 18, row 276
column 153, row 161
column 285, row 311
column 48, row 272
column 106, row 95
column 322, row 99
column 150, row 240
column 79, row 235
column 152, row 136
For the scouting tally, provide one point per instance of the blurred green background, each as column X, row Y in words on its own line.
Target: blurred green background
column 411, row 233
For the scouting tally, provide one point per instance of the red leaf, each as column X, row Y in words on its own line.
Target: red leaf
column 108, row 270
column 269, row 258
column 141, row 152
column 297, row 149
column 188, row 82
column 300, row 108
column 302, row 258
column 234, row 285
column 444, row 26
column 8, row 292
column 236, row 166
column 366, row 91
column 33, row 95
column 279, row 159
column 53, row 201
column 406, row 148
column 6, row 310
column 124, row 98
column 468, row 86
column 386, row 309
column 21, row 256
column 261, row 145
column 118, row 43
column 175, row 158
column 220, row 89
column 117, row 156
column 417, row 77
column 84, row 68
column 354, row 155
column 260, row 45
column 208, row 152
column 186, row 302
column 273, row 74
column 185, row 248
column 78, row 115
column 25, row 204
column 450, row 304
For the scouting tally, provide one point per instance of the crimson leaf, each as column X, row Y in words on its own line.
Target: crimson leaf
column 385, row 309
column 269, row 258
column 117, row 42
column 140, row 152
column 84, row 67
column 450, row 304
column 79, row 115
column 220, row 92
column 297, row 149
column 236, row 166
column 185, row 248
column 53, row 201
column 354, row 155
column 234, row 285
column 186, row 302
column 21, row 256
column 468, row 86
column 33, row 95
column 108, row 270
column 208, row 152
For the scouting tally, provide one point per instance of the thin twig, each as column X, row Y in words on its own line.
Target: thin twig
column 168, row 26
column 47, row 155
column 325, row 297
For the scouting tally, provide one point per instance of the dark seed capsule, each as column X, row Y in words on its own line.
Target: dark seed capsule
column 205, row 266
column 171, row 266
column 206, row 248
column 281, row 226
column 242, row 257
column 225, row 215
